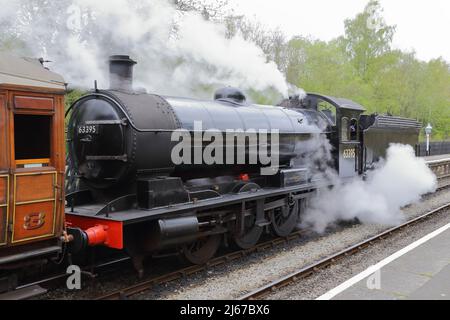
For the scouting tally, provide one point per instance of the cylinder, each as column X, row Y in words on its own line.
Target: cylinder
column 172, row 230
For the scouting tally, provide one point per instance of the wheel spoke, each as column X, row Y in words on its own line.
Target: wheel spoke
column 284, row 220
column 202, row 250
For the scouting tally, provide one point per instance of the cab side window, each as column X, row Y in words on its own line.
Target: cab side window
column 328, row 110
column 353, row 129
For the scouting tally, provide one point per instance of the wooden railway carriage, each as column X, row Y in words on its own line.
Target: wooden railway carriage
column 32, row 162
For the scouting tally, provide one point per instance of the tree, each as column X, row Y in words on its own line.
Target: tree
column 367, row 37
column 319, row 66
column 272, row 41
column 210, row 10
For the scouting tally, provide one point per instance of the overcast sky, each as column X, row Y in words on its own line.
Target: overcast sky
column 422, row 25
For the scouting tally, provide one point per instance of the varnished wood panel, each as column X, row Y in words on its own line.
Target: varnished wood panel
column 3, row 212
column 33, row 161
column 33, row 221
column 34, row 187
column 3, row 190
column 3, row 137
column 4, row 208
column 34, row 103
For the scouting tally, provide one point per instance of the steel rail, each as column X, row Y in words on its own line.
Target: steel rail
column 331, row 260
column 39, row 287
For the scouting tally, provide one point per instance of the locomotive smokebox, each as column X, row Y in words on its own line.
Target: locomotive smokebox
column 121, row 73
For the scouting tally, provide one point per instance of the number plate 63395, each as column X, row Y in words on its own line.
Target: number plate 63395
column 88, row 129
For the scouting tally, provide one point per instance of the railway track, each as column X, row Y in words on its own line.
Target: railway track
column 320, row 265
column 146, row 285
column 46, row 284
column 40, row 287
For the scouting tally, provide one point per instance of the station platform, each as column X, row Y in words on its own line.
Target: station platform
column 437, row 158
column 420, row 271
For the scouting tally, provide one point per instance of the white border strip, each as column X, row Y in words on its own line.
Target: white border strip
column 371, row 270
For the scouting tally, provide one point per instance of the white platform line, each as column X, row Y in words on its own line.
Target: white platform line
column 371, row 270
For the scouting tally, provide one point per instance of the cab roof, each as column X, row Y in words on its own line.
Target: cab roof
column 339, row 103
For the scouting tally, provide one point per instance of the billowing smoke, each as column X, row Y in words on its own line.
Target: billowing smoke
column 178, row 54
column 296, row 92
column 401, row 179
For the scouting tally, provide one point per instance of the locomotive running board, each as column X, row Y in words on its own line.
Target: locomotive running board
column 138, row 215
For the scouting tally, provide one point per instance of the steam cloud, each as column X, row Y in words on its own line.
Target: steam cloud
column 398, row 181
column 178, row 54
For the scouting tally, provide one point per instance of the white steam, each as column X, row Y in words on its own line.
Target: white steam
column 178, row 53
column 398, row 181
column 296, row 92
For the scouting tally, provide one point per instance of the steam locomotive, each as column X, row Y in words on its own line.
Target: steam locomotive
column 125, row 188
column 132, row 196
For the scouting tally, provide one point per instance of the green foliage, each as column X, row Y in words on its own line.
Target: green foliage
column 71, row 97
column 362, row 66
column 267, row 97
column 322, row 67
column 366, row 39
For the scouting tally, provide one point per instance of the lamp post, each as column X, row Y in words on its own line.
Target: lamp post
column 428, row 131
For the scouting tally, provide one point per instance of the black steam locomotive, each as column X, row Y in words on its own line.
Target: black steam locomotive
column 127, row 192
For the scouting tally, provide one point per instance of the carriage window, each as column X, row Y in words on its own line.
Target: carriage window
column 328, row 110
column 32, row 140
column 344, row 129
column 353, row 130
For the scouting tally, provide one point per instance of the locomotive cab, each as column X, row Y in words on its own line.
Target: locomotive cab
column 343, row 116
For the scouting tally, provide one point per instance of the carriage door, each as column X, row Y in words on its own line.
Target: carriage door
column 349, row 146
column 35, row 177
column 4, row 174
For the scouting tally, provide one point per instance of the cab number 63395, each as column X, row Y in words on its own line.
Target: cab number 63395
column 349, row 154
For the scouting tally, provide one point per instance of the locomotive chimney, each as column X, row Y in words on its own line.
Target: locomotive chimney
column 121, row 73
